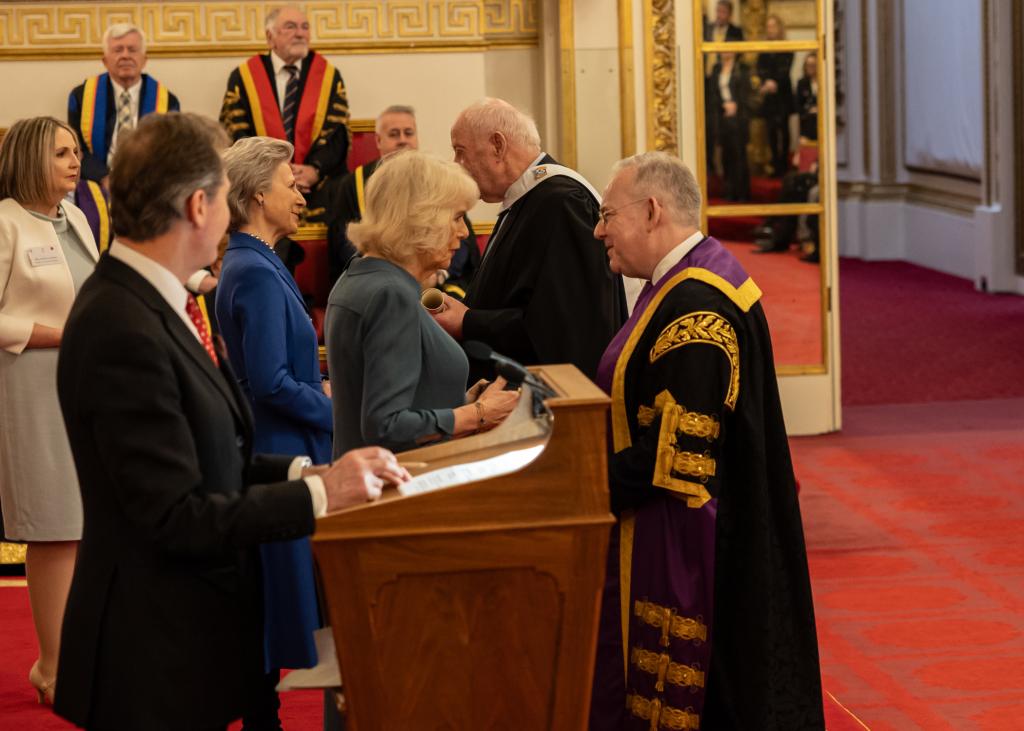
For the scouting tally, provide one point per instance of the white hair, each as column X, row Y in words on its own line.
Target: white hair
column 120, row 30
column 490, row 115
column 271, row 18
column 668, row 179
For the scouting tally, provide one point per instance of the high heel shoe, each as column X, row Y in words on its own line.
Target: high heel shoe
column 44, row 688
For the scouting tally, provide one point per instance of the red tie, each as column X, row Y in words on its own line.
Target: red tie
column 196, row 315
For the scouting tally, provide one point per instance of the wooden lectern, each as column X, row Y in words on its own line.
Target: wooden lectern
column 476, row 606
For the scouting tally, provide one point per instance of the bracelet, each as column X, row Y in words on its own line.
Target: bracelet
column 479, row 414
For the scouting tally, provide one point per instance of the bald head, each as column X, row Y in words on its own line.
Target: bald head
column 495, row 143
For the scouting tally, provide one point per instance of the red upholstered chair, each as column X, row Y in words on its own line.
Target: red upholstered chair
column 364, row 146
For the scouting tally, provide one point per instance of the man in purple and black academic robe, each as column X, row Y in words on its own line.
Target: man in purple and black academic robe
column 707, row 620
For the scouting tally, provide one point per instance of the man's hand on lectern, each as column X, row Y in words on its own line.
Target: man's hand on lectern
column 360, row 475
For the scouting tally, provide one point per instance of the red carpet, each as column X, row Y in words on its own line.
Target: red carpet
column 914, row 516
column 791, row 301
column 911, row 334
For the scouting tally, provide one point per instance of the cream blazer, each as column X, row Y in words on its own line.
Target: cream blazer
column 31, row 294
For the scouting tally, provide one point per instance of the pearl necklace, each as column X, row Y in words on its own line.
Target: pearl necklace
column 269, row 246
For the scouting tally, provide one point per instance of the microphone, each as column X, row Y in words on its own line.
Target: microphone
column 512, row 371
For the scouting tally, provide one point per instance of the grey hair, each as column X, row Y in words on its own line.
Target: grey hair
column 668, row 179
column 490, row 115
column 395, row 109
column 120, row 30
column 250, row 164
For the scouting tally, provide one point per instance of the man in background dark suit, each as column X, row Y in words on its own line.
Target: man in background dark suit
column 162, row 627
column 102, row 106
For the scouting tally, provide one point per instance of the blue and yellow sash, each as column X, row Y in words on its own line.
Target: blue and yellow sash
column 155, row 98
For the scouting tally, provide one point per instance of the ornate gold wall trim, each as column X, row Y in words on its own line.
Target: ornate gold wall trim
column 627, row 82
column 662, row 87
column 30, row 30
column 567, row 66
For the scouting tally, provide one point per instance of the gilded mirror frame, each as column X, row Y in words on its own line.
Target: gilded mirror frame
column 826, row 246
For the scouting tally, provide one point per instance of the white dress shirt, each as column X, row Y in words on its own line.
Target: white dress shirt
column 176, row 296
column 675, row 256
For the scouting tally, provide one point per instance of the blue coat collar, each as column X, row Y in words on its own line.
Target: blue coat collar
column 240, row 240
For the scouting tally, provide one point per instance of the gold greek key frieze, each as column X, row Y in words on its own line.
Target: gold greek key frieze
column 706, row 328
column 75, row 29
column 691, row 629
column 660, row 715
column 661, row 665
column 662, row 91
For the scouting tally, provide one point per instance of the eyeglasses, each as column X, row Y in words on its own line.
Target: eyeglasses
column 604, row 214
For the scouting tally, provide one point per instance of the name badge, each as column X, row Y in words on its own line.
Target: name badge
column 41, row 256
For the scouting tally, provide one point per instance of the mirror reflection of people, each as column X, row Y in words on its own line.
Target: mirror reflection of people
column 46, row 252
column 728, row 95
column 399, row 380
column 709, row 543
column 273, row 350
column 776, row 91
column 807, row 98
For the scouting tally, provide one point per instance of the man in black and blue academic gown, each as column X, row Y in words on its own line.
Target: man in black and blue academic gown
column 103, row 106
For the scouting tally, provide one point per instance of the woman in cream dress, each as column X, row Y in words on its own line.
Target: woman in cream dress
column 46, row 253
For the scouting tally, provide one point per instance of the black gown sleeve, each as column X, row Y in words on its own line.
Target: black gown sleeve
column 329, row 153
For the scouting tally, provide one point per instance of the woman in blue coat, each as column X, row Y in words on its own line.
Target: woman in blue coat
column 273, row 349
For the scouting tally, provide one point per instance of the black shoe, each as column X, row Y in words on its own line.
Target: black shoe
column 770, row 247
column 811, row 258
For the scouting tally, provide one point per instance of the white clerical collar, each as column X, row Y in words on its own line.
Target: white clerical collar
column 162, row 279
column 675, row 256
column 524, row 183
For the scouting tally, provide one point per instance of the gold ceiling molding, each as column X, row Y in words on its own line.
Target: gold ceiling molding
column 662, row 90
column 75, row 29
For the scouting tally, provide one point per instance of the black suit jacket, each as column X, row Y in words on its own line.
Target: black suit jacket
column 162, row 627
column 93, row 168
column 543, row 292
column 732, row 32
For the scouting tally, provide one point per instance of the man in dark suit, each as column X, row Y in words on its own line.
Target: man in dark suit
column 723, row 28
column 162, row 626
column 103, row 106
column 543, row 292
column 286, row 87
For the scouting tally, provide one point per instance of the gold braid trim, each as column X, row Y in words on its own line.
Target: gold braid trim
column 706, row 328
column 666, row 670
column 670, row 623
column 691, row 423
column 668, row 460
column 661, row 716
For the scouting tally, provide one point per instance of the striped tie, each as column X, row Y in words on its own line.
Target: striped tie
column 291, row 101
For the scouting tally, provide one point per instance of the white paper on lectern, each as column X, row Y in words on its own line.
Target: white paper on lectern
column 470, row 471
column 325, row 674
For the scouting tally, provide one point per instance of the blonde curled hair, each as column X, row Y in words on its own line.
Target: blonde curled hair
column 409, row 204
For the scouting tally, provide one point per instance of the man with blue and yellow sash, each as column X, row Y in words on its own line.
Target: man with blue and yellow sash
column 294, row 94
column 707, row 620
column 103, row 106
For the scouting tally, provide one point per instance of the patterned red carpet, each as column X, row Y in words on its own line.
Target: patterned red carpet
column 914, row 517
